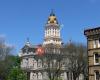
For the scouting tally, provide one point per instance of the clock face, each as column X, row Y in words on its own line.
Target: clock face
column 40, row 51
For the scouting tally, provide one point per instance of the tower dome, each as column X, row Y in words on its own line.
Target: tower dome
column 52, row 19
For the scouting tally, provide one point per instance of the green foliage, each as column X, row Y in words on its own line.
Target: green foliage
column 9, row 64
column 16, row 74
column 5, row 66
column 6, row 58
column 58, row 79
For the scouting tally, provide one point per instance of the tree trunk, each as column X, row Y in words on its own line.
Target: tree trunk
column 74, row 77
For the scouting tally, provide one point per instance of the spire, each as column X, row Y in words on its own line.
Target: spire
column 52, row 18
column 27, row 42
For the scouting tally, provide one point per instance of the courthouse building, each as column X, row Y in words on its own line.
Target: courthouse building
column 45, row 60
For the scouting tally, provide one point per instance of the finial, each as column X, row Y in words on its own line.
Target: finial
column 52, row 12
column 52, row 18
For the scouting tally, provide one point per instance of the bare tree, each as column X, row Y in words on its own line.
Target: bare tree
column 76, row 53
column 74, row 57
column 53, row 60
column 5, row 49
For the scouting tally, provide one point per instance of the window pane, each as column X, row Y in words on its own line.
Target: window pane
column 97, row 75
column 96, row 57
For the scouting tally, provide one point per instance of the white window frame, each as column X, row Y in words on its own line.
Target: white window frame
column 40, row 76
column 94, row 59
column 34, row 77
column 94, row 43
column 39, row 63
column 95, row 75
column 99, row 43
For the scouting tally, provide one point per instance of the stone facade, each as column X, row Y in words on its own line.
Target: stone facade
column 93, row 45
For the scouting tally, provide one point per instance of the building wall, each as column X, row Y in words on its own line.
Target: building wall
column 93, row 47
column 36, row 67
column 93, row 44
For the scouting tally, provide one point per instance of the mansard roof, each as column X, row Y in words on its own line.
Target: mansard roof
column 29, row 48
column 26, row 46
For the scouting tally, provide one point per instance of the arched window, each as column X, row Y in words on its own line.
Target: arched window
column 35, row 64
column 34, row 76
column 40, row 76
column 40, row 63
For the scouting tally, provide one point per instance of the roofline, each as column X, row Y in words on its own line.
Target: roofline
column 89, row 29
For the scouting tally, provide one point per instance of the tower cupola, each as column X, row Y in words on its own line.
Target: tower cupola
column 52, row 31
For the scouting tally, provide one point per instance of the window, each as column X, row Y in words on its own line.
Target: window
column 34, row 76
column 35, row 64
column 94, row 43
column 40, row 76
column 99, row 42
column 96, row 58
column 26, row 62
column 39, row 63
column 96, row 75
column 63, row 65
